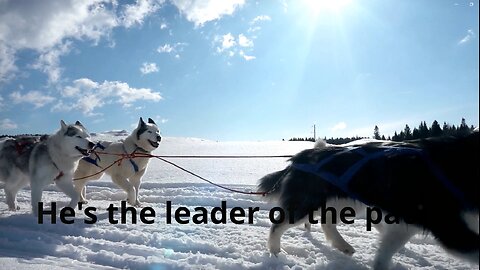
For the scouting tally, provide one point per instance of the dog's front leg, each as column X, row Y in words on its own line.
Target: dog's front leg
column 36, row 189
column 65, row 184
column 80, row 187
column 124, row 184
column 136, row 180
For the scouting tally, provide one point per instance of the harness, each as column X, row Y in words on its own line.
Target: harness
column 60, row 172
column 97, row 158
column 95, row 161
column 21, row 147
column 343, row 180
column 134, row 164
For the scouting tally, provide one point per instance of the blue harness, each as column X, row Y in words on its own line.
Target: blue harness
column 95, row 161
column 134, row 165
column 342, row 182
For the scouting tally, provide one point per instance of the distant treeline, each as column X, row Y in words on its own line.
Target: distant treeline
column 423, row 131
column 21, row 135
column 330, row 141
column 420, row 132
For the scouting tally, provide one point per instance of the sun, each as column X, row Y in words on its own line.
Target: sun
column 319, row 6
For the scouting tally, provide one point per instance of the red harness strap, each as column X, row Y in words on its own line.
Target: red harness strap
column 20, row 147
column 60, row 174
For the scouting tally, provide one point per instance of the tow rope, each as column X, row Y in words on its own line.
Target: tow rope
column 146, row 155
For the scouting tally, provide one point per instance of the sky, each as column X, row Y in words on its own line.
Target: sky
column 238, row 69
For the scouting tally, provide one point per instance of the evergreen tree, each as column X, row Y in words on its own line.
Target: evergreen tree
column 376, row 133
column 407, row 133
column 435, row 130
column 415, row 133
column 423, row 130
column 463, row 129
column 447, row 130
column 395, row 137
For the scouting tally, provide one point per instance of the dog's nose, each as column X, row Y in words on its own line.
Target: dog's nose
column 159, row 139
column 91, row 145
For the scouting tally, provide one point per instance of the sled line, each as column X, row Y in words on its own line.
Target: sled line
column 162, row 158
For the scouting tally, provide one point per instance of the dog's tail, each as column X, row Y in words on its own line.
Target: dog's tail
column 271, row 184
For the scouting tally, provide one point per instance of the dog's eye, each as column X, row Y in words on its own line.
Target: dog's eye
column 78, row 136
column 149, row 131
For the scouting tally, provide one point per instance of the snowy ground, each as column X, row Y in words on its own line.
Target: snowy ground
column 25, row 244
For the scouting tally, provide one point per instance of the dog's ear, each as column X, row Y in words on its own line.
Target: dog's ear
column 141, row 128
column 63, row 125
column 141, row 122
column 79, row 124
column 150, row 121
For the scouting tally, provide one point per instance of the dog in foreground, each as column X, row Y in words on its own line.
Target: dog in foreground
column 431, row 185
column 40, row 162
column 128, row 174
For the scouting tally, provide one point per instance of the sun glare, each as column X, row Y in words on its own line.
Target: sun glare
column 319, row 6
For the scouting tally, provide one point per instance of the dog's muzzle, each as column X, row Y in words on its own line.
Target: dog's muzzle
column 157, row 143
column 86, row 152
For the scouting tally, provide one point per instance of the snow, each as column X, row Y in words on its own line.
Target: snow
column 25, row 244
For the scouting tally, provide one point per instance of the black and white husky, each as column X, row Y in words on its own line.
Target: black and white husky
column 430, row 185
column 128, row 174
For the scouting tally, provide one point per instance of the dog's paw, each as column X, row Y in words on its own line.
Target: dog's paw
column 345, row 248
column 274, row 248
column 273, row 255
column 135, row 203
column 138, row 204
column 14, row 208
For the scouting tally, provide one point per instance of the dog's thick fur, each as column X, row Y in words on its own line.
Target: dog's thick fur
column 409, row 186
column 14, row 160
column 55, row 159
column 144, row 139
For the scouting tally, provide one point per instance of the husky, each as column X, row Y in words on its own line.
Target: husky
column 430, row 185
column 55, row 159
column 14, row 160
column 128, row 174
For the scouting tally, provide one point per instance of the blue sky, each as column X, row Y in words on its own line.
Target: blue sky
column 238, row 69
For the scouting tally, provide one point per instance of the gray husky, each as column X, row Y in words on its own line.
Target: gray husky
column 14, row 157
column 55, row 159
column 128, row 174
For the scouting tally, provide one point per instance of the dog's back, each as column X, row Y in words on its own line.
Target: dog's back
column 15, row 153
column 14, row 164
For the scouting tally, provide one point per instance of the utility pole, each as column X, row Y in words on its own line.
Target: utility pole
column 314, row 133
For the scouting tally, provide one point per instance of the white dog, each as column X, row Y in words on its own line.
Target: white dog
column 55, row 160
column 128, row 174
